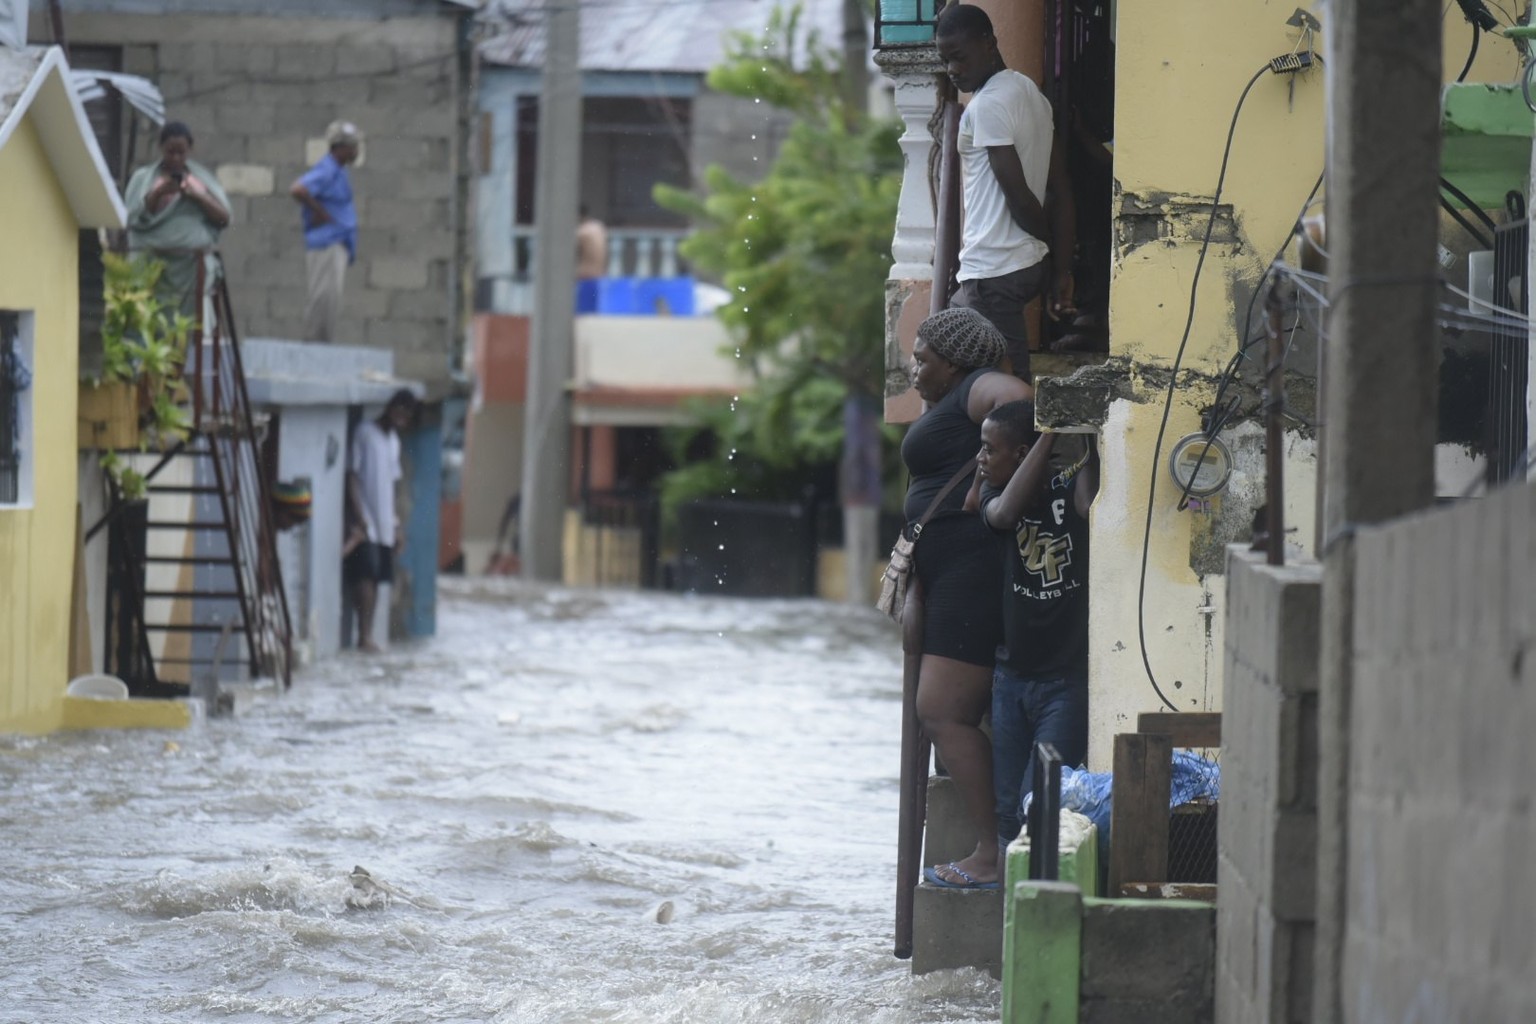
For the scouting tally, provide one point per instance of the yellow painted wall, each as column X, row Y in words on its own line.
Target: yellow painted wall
column 1181, row 66
column 38, row 273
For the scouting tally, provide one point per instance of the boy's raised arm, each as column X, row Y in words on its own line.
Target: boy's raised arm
column 1024, row 488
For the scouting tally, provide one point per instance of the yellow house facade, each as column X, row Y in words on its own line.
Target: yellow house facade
column 1180, row 69
column 54, row 184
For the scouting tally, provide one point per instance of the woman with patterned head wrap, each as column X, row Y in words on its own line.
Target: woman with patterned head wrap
column 959, row 566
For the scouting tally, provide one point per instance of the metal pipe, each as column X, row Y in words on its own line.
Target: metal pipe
column 1274, row 439
column 913, row 789
column 1045, row 815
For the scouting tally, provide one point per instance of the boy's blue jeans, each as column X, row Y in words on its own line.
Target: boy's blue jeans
column 1026, row 711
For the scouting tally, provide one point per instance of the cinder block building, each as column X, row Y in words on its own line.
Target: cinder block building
column 257, row 82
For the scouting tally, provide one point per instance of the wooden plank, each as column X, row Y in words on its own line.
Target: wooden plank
column 1203, row 891
column 1138, row 824
column 1188, row 729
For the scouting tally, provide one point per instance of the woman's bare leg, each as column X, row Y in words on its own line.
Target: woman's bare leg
column 952, row 698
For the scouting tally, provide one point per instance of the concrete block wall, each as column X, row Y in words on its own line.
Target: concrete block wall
column 1438, row 900
column 1099, row 961
column 258, row 90
column 1266, row 860
column 1148, row 961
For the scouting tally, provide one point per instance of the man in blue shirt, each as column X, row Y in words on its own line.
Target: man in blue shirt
column 330, row 229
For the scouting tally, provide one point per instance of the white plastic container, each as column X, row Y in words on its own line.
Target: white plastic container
column 97, row 687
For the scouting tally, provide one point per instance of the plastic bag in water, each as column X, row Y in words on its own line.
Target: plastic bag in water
column 1089, row 793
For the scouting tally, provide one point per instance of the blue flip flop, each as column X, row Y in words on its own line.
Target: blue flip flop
column 932, row 876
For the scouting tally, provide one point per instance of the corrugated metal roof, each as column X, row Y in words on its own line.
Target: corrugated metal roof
column 142, row 94
column 645, row 35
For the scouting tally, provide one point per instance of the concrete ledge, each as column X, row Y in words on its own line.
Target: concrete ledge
column 1148, row 961
column 957, row 928
column 280, row 372
column 90, row 713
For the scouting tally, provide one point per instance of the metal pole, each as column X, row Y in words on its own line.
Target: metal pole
column 912, row 792
column 1045, row 815
column 547, row 423
column 1274, row 441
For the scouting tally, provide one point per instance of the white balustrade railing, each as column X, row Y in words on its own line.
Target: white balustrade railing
column 632, row 252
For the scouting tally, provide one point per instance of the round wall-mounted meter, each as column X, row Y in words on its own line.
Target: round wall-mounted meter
column 1200, row 466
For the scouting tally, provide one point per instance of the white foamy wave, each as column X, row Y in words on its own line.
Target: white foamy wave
column 654, row 718
column 279, row 884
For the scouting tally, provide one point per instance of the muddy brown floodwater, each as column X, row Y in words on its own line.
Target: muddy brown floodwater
column 525, row 792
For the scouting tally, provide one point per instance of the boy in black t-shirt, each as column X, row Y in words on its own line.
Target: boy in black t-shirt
column 1040, row 683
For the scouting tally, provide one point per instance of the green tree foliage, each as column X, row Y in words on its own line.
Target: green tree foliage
column 804, row 253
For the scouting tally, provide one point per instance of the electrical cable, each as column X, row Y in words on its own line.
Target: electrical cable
column 1218, row 421
column 1477, row 236
column 1471, row 54
column 1173, row 377
column 1270, row 267
column 1472, row 207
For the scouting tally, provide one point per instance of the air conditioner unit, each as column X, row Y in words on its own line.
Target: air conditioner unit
column 1480, row 281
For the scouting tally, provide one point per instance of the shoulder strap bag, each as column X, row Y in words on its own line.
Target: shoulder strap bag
column 898, row 572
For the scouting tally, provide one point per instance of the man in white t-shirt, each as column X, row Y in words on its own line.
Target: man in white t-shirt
column 374, row 535
column 1007, row 166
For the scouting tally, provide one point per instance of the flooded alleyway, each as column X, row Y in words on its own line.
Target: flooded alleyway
column 527, row 793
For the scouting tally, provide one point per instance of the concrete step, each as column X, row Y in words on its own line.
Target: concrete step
column 957, row 928
column 953, row 927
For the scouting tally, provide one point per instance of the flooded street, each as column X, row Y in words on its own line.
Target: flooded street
column 525, row 792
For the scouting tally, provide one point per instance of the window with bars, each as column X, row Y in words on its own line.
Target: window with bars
column 15, row 408
column 905, row 22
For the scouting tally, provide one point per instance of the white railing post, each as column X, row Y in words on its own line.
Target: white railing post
column 913, row 71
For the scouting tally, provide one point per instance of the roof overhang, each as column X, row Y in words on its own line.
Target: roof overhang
column 70, row 145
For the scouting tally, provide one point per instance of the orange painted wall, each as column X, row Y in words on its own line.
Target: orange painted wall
column 501, row 357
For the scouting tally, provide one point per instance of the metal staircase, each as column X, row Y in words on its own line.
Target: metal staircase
column 194, row 588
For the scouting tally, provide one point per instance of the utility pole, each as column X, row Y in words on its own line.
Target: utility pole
column 860, row 472
column 1379, row 410
column 547, row 423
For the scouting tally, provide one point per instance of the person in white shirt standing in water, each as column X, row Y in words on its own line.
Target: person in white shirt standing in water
column 1012, row 230
column 373, row 468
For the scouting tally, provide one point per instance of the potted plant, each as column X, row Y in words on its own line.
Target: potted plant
column 140, row 400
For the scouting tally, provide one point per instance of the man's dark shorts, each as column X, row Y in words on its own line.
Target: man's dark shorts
column 1002, row 301
column 369, row 561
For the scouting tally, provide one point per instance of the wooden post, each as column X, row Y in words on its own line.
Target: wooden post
column 1138, row 824
column 1184, row 728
